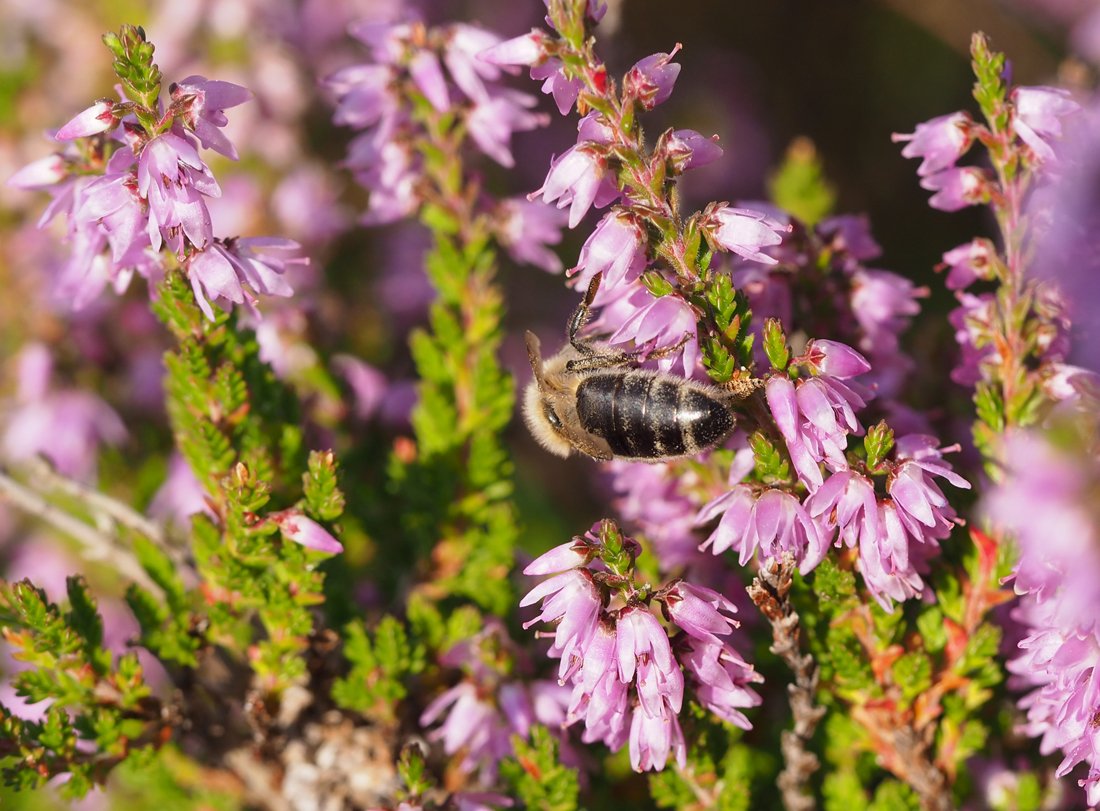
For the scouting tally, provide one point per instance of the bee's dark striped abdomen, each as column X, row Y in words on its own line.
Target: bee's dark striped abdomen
column 643, row 415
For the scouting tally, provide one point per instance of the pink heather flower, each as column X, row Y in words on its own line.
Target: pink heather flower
column 721, row 678
column 663, row 322
column 972, row 321
column 462, row 56
column 296, row 527
column 110, row 204
column 572, row 600
column 368, row 385
column 206, row 101
column 745, row 232
column 968, row 263
column 1039, row 111
column 782, row 400
column 390, row 172
column 654, row 737
column 772, row 521
column 363, row 95
column 850, row 234
column 40, row 174
column 427, row 74
column 526, row 229
column 939, row 142
column 922, row 507
column 815, row 417
column 97, row 118
column 65, row 426
column 889, row 565
column 643, row 651
column 1045, row 502
column 846, row 504
column 562, row 558
column 574, row 180
column 956, row 188
column 616, row 248
column 493, row 120
column 651, row 80
column 700, row 612
column 526, row 50
column 226, row 268
column 174, row 180
column 472, row 725
column 882, row 303
column 565, row 91
column 599, row 696
column 835, row 359
column 687, row 149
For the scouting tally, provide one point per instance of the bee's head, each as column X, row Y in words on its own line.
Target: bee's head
column 545, row 404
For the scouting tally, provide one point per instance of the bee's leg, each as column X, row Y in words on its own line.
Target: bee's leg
column 580, row 318
column 608, row 359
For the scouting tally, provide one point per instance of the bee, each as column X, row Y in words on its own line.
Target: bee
column 594, row 399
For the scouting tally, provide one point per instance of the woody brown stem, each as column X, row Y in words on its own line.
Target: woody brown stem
column 770, row 591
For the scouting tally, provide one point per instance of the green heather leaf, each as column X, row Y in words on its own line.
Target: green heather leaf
column 535, row 776
column 913, row 674
column 799, row 185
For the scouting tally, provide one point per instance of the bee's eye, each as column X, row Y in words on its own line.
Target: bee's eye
column 552, row 418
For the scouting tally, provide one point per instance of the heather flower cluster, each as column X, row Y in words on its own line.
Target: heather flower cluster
column 131, row 183
column 626, row 668
column 1043, row 501
column 421, row 81
column 895, row 533
column 610, row 163
column 478, row 716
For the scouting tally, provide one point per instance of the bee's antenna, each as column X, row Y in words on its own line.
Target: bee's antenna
column 534, row 356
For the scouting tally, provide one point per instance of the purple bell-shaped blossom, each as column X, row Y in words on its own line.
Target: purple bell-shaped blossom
column 660, row 324
column 744, row 232
column 700, row 612
column 721, row 679
column 773, row 522
column 1039, row 114
column 688, row 149
column 575, row 179
column 493, row 120
column 175, row 180
column 206, row 102
column 939, row 142
column 956, row 188
column 968, row 263
column 571, row 600
column 616, row 249
column 645, row 657
column 651, row 80
column 526, row 229
column 301, row 530
column 96, row 119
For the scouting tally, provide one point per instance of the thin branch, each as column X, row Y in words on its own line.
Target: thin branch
column 97, row 545
column 770, row 590
column 106, row 510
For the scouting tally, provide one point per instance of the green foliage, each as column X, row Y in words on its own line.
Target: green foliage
column 380, row 663
column 771, row 464
column 989, row 89
column 535, row 775
column 892, row 795
column 913, row 674
column 92, row 703
column 775, row 345
column 133, row 64
column 729, row 347
column 799, row 185
column 878, row 442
